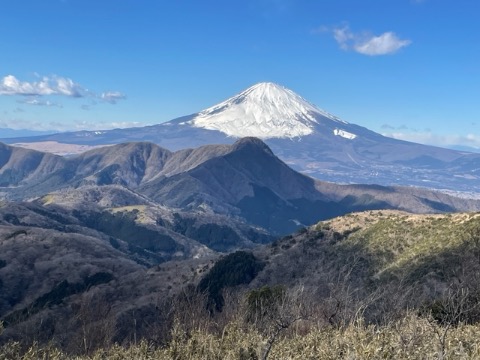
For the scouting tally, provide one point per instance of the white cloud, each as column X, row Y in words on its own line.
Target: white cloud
column 112, row 96
column 387, row 43
column 52, row 85
column 344, row 37
column 368, row 44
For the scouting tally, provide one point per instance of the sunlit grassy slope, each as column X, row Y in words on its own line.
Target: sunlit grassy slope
column 402, row 243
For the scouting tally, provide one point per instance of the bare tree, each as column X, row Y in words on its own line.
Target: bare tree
column 451, row 309
column 273, row 310
column 190, row 309
column 95, row 322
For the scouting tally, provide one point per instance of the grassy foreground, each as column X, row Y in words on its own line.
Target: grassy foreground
column 373, row 285
column 412, row 337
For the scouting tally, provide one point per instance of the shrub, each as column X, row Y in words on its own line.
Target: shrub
column 234, row 269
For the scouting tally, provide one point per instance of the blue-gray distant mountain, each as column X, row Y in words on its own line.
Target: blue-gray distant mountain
column 14, row 133
column 244, row 182
column 305, row 137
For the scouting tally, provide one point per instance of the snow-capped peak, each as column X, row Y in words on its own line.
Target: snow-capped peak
column 265, row 110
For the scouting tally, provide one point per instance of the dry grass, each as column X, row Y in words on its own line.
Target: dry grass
column 144, row 214
column 394, row 240
column 409, row 338
column 399, row 240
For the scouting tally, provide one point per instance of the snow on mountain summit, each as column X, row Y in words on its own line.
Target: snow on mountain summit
column 265, row 110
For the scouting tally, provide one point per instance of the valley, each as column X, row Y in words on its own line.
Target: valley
column 375, row 272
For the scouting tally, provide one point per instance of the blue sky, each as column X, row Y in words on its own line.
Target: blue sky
column 407, row 68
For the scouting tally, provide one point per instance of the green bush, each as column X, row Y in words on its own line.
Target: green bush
column 234, row 269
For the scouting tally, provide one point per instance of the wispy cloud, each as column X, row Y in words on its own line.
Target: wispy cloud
column 402, row 127
column 112, row 96
column 429, row 138
column 367, row 43
column 38, row 102
column 52, row 85
column 86, row 125
column 18, row 123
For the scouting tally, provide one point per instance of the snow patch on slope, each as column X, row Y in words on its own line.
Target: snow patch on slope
column 344, row 134
column 265, row 110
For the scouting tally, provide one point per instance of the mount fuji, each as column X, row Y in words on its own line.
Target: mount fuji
column 306, row 137
column 266, row 111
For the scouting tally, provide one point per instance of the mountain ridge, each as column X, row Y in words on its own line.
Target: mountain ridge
column 244, row 181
